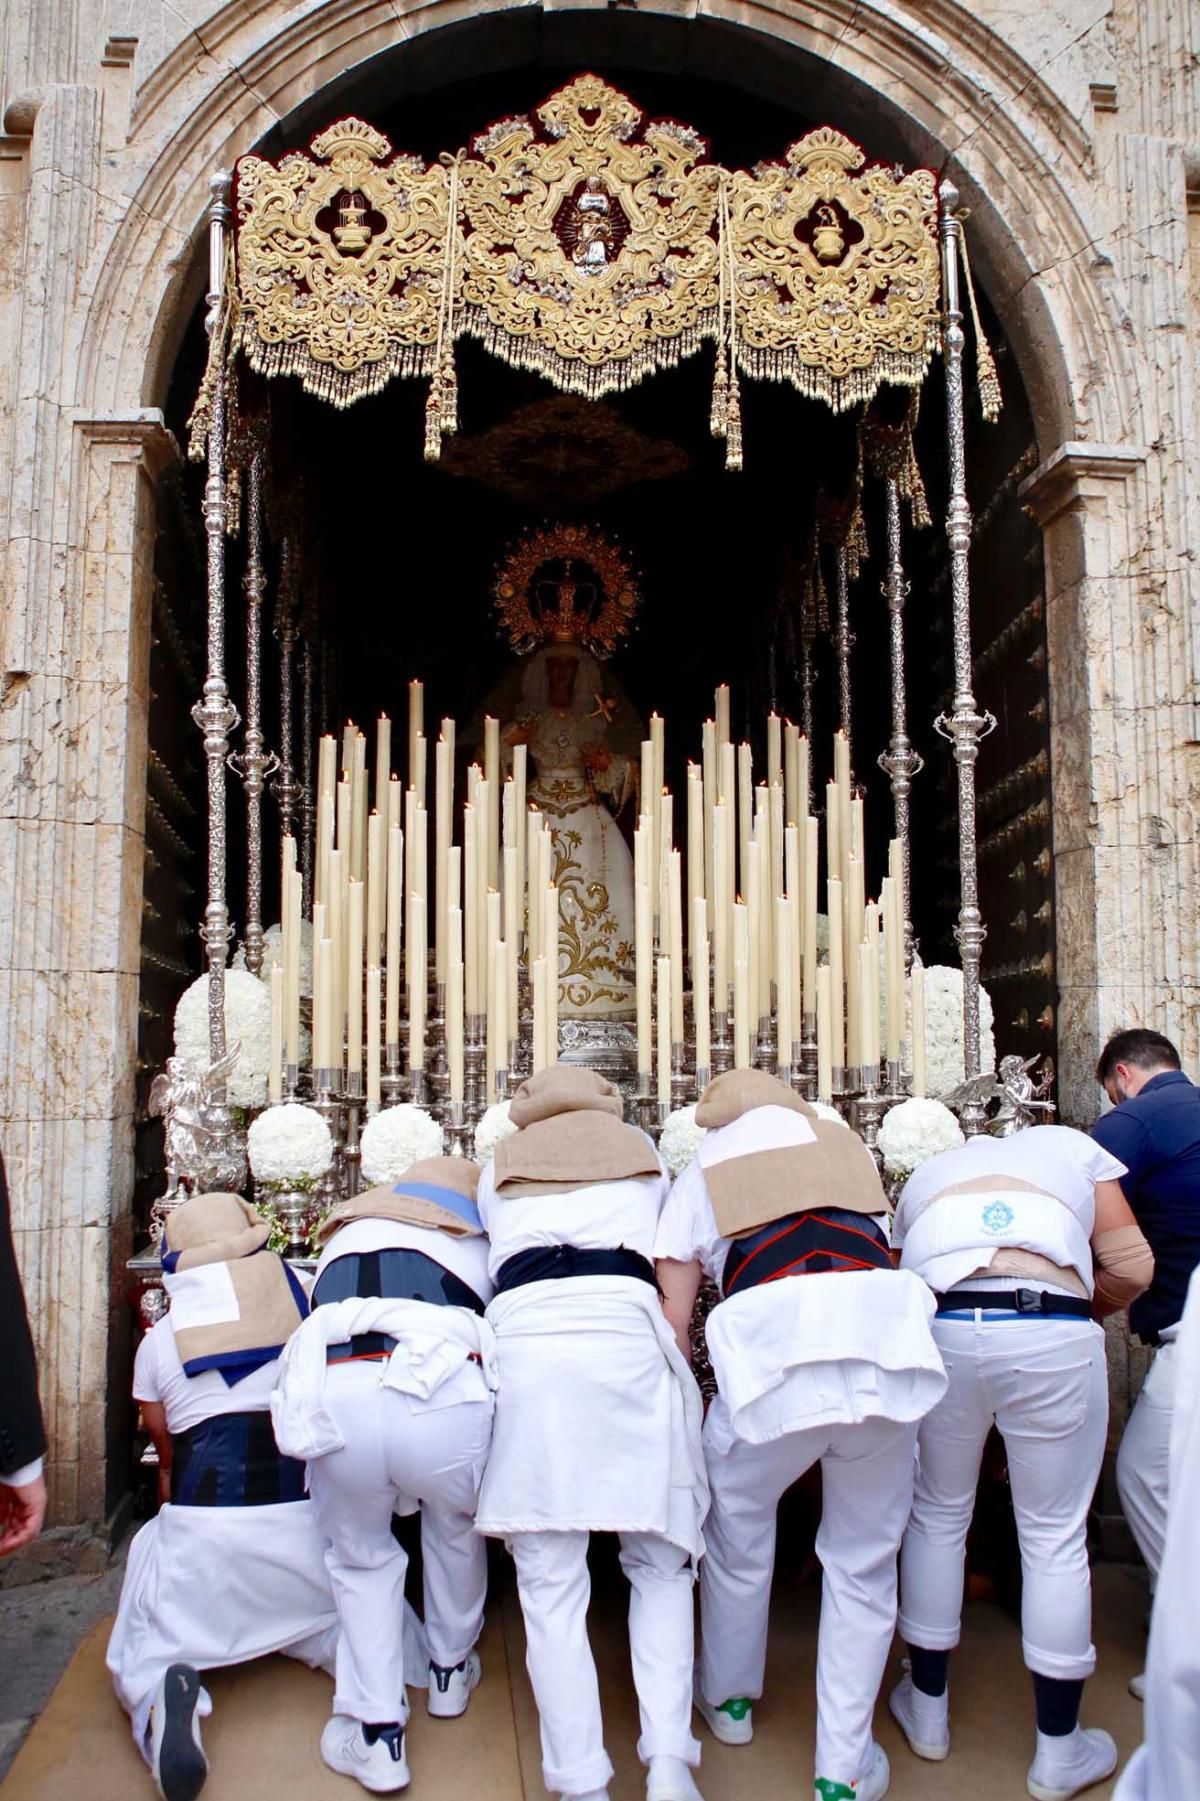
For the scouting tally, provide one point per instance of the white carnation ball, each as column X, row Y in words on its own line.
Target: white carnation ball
column 494, row 1126
column 395, row 1139
column 914, row 1130
column 289, row 1146
column 679, row 1140
column 247, row 1023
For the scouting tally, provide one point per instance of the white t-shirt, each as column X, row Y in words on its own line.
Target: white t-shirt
column 158, row 1375
column 1066, row 1163
column 687, row 1229
column 465, row 1256
column 603, row 1217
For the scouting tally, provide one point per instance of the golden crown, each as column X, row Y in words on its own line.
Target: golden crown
column 566, row 584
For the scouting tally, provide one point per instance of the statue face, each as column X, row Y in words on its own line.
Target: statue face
column 561, row 672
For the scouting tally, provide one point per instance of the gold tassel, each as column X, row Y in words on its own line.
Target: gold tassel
column 719, row 417
column 733, row 428
column 449, row 395
column 990, row 398
column 433, row 421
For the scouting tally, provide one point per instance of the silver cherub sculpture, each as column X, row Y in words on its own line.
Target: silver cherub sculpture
column 203, row 1146
column 1022, row 1100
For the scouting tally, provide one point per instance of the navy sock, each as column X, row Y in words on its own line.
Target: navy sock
column 1057, row 1705
column 929, row 1669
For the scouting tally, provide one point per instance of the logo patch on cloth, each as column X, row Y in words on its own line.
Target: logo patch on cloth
column 997, row 1217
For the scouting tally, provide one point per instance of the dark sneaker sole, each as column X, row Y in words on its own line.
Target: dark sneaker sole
column 182, row 1765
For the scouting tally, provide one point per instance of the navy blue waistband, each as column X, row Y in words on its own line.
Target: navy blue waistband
column 232, row 1460
column 554, row 1262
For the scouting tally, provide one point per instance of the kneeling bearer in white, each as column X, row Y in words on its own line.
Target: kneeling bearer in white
column 232, row 1567
column 1027, row 1241
column 387, row 1390
column 823, row 1354
column 597, row 1423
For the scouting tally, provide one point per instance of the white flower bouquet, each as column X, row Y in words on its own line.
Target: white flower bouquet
column 914, row 1130
column 944, row 1066
column 679, row 1140
column 247, row 1023
column 273, row 953
column 494, row 1126
column 395, row 1139
column 289, row 1147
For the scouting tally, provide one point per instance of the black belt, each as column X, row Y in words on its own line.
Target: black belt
column 553, row 1262
column 232, row 1460
column 370, row 1347
column 395, row 1273
column 1031, row 1301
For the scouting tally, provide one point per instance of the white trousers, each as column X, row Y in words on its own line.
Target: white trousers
column 867, row 1475
column 214, row 1586
column 1144, row 1457
column 554, row 1586
column 1043, row 1382
column 399, row 1450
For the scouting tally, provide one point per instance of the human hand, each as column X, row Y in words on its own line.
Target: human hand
column 22, row 1511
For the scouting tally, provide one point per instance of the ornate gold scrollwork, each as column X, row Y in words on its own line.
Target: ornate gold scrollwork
column 340, row 263
column 835, row 270
column 590, row 250
column 566, row 608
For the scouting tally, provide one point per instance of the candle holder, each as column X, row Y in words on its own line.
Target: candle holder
column 765, row 1049
column 703, row 1078
column 838, row 1085
column 325, row 1102
column 894, row 1088
column 645, row 1101
column 435, row 1038
column 418, row 1086
column 474, row 1066
column 722, row 1044
column 392, row 1081
column 294, row 1210
column 854, row 1079
column 866, row 1114
column 458, row 1132
column 808, row 1055
column 502, row 1086
column 291, row 1081
column 679, row 1076
column 352, row 1117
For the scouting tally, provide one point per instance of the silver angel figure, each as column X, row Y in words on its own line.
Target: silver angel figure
column 1021, row 1101
column 203, row 1148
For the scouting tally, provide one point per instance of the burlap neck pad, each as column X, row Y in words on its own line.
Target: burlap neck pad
column 571, row 1150
column 261, row 1303
column 437, row 1192
column 212, row 1228
column 1031, row 1266
column 772, row 1160
column 738, row 1091
column 561, row 1089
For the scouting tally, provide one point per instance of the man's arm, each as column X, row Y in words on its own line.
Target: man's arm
column 1124, row 1137
column 154, row 1421
column 680, row 1284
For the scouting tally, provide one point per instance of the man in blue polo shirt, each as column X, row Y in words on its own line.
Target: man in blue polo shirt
column 1154, row 1129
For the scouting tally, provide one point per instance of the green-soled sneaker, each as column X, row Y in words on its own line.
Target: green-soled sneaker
column 732, row 1722
column 871, row 1787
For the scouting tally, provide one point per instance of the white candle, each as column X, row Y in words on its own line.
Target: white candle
column 395, row 913
column 358, row 809
column 343, row 816
column 721, row 923
column 512, row 938
column 825, row 1015
column 374, row 1089
column 376, row 886
column 349, row 734
column 337, row 937
column 539, row 1014
column 700, row 1006
column 709, row 778
column 454, row 1022
column 841, row 776
column 721, row 712
column 918, row 1027
column 893, row 993
column 323, row 986
column 471, row 935
column 664, row 1030
column 493, row 1052
column 550, row 928
column 325, row 808
column 774, row 750
column 741, row 987
column 804, row 779
column 745, row 786
column 491, row 771
column 519, row 808
column 275, row 1064
column 666, row 844
column 783, row 981
column 291, row 970
column 498, row 1023
column 869, row 1028
column 837, row 1015
column 326, row 765
column 675, row 940
column 416, row 726
column 354, row 980
column 810, row 912
column 793, row 806
column 754, row 927
column 833, row 832
column 644, row 947
column 443, row 827
column 417, row 979
column 383, row 761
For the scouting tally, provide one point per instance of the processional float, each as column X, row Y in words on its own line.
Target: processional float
column 596, row 247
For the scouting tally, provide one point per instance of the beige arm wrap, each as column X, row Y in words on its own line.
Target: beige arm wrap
column 1124, row 1265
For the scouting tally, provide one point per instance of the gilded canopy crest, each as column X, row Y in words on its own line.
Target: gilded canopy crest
column 591, row 244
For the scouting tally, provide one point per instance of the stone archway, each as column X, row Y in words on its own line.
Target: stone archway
column 112, row 262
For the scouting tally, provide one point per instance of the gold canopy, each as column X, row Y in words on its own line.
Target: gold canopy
column 590, row 244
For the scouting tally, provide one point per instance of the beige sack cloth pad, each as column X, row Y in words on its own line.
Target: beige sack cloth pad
column 396, row 1200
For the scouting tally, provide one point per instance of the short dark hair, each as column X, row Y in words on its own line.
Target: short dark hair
column 1139, row 1046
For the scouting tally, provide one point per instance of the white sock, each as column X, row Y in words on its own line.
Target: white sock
column 677, row 1773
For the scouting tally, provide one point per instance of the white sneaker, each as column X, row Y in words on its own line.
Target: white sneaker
column 732, row 1721
column 670, row 1779
column 381, row 1767
column 1137, row 1686
column 1066, row 1766
column 176, row 1754
column 871, row 1787
column 450, row 1690
column 923, row 1719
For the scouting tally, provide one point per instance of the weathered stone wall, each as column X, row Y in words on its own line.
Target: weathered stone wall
column 1070, row 128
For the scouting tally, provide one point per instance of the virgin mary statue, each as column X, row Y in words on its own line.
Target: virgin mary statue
column 566, row 596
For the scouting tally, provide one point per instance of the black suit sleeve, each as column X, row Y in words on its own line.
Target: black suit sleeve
column 22, row 1435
